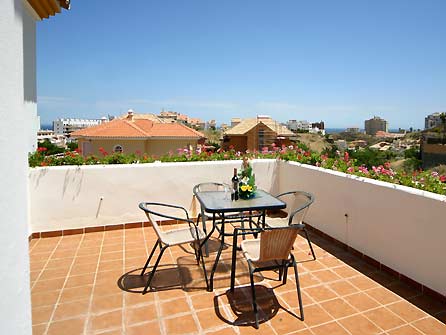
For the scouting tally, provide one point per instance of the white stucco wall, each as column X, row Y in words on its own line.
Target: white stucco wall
column 70, row 197
column 31, row 121
column 401, row 227
column 15, row 310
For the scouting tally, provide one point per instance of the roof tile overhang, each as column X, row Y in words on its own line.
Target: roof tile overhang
column 46, row 8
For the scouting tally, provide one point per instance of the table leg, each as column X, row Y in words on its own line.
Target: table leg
column 233, row 260
column 217, row 258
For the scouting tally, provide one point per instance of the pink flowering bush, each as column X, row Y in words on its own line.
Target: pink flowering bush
column 424, row 180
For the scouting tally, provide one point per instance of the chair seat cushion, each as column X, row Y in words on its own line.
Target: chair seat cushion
column 251, row 249
column 182, row 235
column 276, row 222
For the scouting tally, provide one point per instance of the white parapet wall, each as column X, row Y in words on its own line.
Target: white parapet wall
column 401, row 227
column 87, row 196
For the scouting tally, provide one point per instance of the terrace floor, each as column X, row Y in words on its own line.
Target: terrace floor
column 89, row 284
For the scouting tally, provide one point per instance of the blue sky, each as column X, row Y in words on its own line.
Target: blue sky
column 338, row 61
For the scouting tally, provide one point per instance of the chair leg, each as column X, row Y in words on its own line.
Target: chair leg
column 253, row 292
column 309, row 243
column 285, row 272
column 152, row 273
column 150, row 257
column 200, row 253
column 299, row 295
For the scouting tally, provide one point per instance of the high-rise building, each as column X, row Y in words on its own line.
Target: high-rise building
column 376, row 124
column 432, row 121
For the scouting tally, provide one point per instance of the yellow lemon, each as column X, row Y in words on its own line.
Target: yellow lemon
column 244, row 188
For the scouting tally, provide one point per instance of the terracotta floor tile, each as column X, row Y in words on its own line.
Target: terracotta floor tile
column 134, row 299
column 53, row 274
column 264, row 329
column 332, row 328
column 110, row 265
column 313, row 265
column 338, row 308
column 361, row 301
column 71, row 310
column 315, row 315
column 80, row 280
column 284, row 323
column 76, row 293
column 106, row 288
column 175, row 306
column 225, row 331
column 39, row 329
column 331, row 262
column 320, row 293
column 343, row 288
column 67, row 327
column 384, row 318
column 208, row 319
column 107, row 320
column 202, row 301
column 430, row 326
column 345, row 271
column 406, row 311
column 170, row 294
column 180, row 325
column 80, row 269
column 41, row 314
column 111, row 256
column 140, row 314
column 326, row 276
column 87, row 259
column 383, row 295
column 49, row 285
column 363, row 282
column 405, row 330
column 291, row 299
column 103, row 304
column 151, row 328
column 58, row 263
column 44, row 299
column 359, row 325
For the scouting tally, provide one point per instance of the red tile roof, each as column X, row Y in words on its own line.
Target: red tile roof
column 137, row 128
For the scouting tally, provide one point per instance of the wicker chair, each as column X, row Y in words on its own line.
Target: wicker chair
column 272, row 250
column 299, row 202
column 186, row 235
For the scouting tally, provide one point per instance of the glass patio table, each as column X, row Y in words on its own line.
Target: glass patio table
column 220, row 206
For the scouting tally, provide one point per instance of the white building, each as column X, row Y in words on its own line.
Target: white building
column 18, row 117
column 295, row 125
column 432, row 121
column 67, row 126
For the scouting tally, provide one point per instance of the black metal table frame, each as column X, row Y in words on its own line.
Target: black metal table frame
column 218, row 218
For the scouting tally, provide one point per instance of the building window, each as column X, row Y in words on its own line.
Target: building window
column 117, row 148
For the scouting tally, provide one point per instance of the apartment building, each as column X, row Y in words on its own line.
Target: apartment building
column 67, row 126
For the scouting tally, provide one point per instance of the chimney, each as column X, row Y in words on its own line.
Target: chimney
column 130, row 115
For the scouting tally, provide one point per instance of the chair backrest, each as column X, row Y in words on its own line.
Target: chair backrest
column 209, row 187
column 276, row 243
column 298, row 203
column 156, row 212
